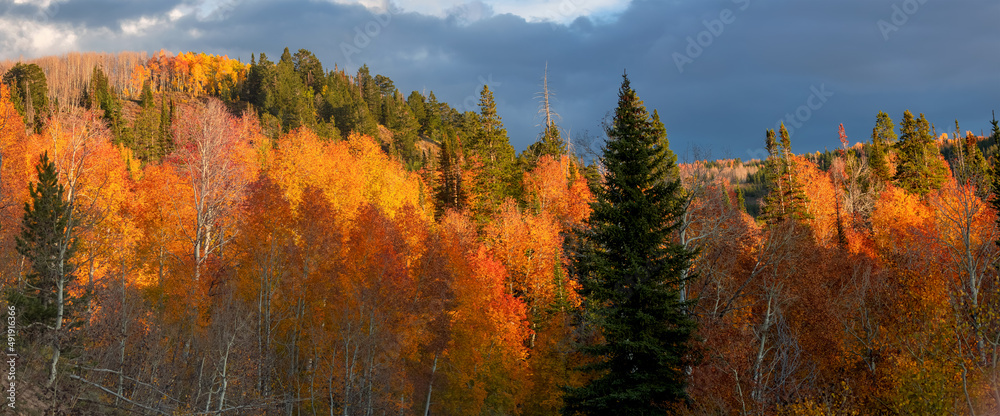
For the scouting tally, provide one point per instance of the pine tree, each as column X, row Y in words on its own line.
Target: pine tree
column 995, row 133
column 48, row 242
column 164, row 144
column 786, row 200
column 630, row 271
column 450, row 190
column 310, row 69
column 741, row 201
column 418, row 107
column 259, row 84
column 434, row 109
column 29, row 92
column 493, row 160
column 972, row 165
column 293, row 101
column 661, row 131
column 920, row 169
column 883, row 138
column 103, row 97
column 550, row 144
column 146, row 98
column 994, row 143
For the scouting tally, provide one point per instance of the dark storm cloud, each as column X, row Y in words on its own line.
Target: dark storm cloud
column 720, row 72
column 107, row 13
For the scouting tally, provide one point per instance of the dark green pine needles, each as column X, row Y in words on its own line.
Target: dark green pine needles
column 631, row 274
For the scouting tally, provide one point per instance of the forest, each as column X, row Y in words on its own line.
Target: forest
column 191, row 234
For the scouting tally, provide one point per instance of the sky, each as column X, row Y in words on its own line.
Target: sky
column 719, row 72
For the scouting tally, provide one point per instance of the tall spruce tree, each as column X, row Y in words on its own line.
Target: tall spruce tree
column 102, row 96
column 993, row 145
column 165, row 140
column 493, row 160
column 995, row 133
column 786, row 200
column 631, row 271
column 551, row 144
column 48, row 242
column 449, row 192
column 883, row 138
column 29, row 92
column 920, row 169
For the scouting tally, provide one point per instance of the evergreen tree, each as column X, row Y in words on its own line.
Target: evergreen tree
column 977, row 171
column 450, row 191
column 550, row 144
column 995, row 133
column 661, row 130
column 883, row 137
column 434, row 110
column 741, row 201
column 630, row 271
column 370, row 92
column 165, row 143
column 293, row 102
column 146, row 131
column 418, row 107
column 102, row 97
column 29, row 93
column 259, row 83
column 786, row 200
column 994, row 143
column 146, row 98
column 48, row 242
column 970, row 165
column 496, row 174
column 310, row 70
column 920, row 169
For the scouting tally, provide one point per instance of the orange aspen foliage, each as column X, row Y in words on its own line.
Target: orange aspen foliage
column 484, row 360
column 14, row 173
column 557, row 187
column 349, row 173
column 161, row 215
column 823, row 201
column 376, row 295
column 530, row 248
column 904, row 229
column 265, row 239
column 140, row 75
column 194, row 73
column 900, row 221
column 96, row 177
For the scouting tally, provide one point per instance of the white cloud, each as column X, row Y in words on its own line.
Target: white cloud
column 559, row 11
column 178, row 12
column 31, row 39
column 43, row 4
column 137, row 27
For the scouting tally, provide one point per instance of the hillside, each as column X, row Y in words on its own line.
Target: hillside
column 191, row 234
